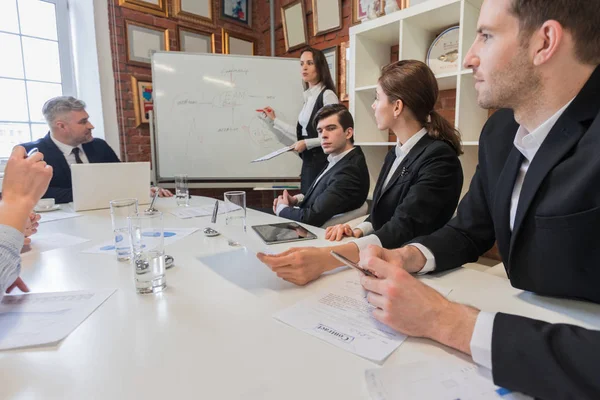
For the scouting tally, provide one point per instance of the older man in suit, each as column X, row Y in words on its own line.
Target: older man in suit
column 70, row 141
column 535, row 192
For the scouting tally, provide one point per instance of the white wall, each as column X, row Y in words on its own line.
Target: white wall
column 93, row 66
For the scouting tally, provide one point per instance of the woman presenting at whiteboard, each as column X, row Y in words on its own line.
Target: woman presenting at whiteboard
column 319, row 91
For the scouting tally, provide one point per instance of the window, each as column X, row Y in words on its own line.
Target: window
column 36, row 65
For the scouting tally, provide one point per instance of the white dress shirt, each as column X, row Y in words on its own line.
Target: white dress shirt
column 402, row 151
column 332, row 161
column 310, row 98
column 68, row 151
column 528, row 143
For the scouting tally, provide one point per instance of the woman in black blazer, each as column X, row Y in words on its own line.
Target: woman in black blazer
column 418, row 187
column 319, row 91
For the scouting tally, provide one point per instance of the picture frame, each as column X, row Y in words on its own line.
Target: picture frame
column 155, row 7
column 238, row 11
column 344, row 89
column 236, row 43
column 142, row 40
column 326, row 15
column 331, row 55
column 142, row 99
column 195, row 40
column 195, row 11
column 364, row 9
column 295, row 33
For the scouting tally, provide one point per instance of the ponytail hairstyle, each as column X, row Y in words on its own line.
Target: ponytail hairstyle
column 413, row 83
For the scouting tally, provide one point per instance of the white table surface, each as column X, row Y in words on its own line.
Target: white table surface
column 211, row 334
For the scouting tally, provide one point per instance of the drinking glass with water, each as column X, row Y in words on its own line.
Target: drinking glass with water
column 235, row 208
column 148, row 254
column 182, row 191
column 120, row 210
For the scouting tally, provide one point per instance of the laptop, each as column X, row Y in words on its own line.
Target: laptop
column 95, row 185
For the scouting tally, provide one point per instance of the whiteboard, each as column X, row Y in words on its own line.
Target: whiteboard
column 206, row 121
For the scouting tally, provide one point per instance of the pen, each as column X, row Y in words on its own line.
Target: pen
column 32, row 152
column 352, row 264
column 215, row 212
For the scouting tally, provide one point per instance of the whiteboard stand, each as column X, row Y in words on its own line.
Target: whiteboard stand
column 153, row 170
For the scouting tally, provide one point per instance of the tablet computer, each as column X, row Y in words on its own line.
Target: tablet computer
column 283, row 232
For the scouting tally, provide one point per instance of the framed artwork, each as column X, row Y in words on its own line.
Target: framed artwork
column 234, row 43
column 239, row 11
column 156, row 7
column 294, row 25
column 195, row 41
column 331, row 55
column 366, row 9
column 197, row 11
column 142, row 40
column 327, row 16
column 345, row 71
column 142, row 100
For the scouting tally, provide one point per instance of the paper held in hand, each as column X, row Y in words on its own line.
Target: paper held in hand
column 274, row 154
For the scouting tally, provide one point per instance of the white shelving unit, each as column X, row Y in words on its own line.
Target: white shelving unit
column 414, row 29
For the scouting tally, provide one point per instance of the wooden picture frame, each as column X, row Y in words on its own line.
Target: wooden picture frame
column 326, row 15
column 190, row 40
column 142, row 100
column 238, row 11
column 295, row 33
column 155, row 7
column 360, row 9
column 344, row 89
column 195, row 11
column 235, row 43
column 149, row 39
column 332, row 57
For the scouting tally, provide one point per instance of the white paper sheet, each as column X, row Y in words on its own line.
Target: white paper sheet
column 443, row 379
column 171, row 235
column 57, row 215
column 36, row 319
column 41, row 242
column 342, row 317
column 274, row 154
column 205, row 211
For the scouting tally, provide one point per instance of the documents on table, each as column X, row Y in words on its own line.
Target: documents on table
column 171, row 235
column 342, row 317
column 35, row 319
column 193, row 212
column 58, row 215
column 49, row 241
column 448, row 378
column 274, row 154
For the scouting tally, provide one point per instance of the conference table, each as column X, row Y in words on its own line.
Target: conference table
column 211, row 334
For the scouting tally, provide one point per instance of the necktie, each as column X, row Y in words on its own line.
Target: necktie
column 75, row 152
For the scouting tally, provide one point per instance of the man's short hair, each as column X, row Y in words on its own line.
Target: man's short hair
column 60, row 105
column 344, row 117
column 580, row 17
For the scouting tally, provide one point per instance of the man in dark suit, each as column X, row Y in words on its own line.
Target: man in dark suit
column 69, row 141
column 343, row 185
column 535, row 192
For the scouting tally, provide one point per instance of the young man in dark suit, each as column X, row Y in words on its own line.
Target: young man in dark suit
column 535, row 192
column 69, row 141
column 343, row 185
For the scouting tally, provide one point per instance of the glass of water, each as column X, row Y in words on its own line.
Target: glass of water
column 182, row 191
column 235, row 208
column 148, row 254
column 120, row 210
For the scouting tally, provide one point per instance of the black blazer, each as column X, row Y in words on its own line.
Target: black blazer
column 421, row 196
column 343, row 188
column 553, row 250
column 61, row 187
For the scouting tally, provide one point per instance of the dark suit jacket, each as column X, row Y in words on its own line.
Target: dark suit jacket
column 61, row 188
column 553, row 249
column 420, row 197
column 343, row 188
